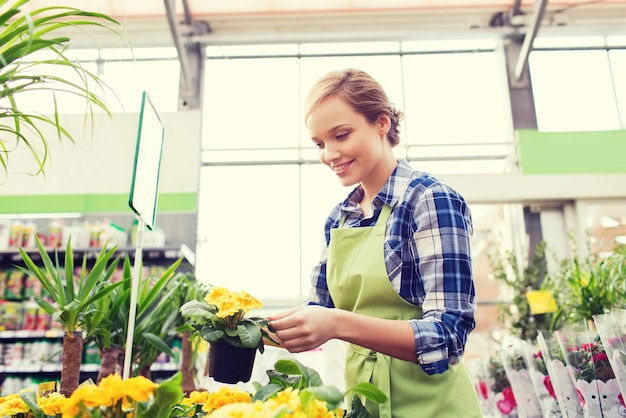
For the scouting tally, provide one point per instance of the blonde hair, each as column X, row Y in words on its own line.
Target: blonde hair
column 359, row 90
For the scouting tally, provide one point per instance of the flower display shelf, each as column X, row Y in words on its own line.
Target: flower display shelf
column 612, row 330
column 541, row 380
column 500, row 391
column 562, row 383
column 589, row 368
column 517, row 372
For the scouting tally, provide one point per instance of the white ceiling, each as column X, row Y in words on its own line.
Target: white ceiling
column 259, row 21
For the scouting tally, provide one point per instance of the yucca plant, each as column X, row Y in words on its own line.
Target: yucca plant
column 29, row 48
column 156, row 321
column 72, row 297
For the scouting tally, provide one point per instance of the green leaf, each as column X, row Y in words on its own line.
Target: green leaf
column 357, row 410
column 159, row 344
column 331, row 394
column 197, row 310
column 267, row 391
column 166, row 396
column 249, row 334
column 370, row 391
column 30, row 398
column 211, row 334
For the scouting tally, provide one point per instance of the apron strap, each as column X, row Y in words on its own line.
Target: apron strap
column 375, row 368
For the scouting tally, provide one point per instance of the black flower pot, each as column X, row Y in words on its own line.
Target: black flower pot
column 230, row 364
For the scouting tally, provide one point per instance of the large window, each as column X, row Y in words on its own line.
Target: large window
column 579, row 88
column 125, row 74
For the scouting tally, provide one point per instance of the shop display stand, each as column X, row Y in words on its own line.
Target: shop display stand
column 133, row 299
column 143, row 200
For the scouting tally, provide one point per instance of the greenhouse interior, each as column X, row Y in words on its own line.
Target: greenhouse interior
column 217, row 196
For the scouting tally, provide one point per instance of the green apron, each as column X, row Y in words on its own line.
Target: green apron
column 358, row 282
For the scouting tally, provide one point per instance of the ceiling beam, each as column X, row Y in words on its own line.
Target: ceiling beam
column 538, row 12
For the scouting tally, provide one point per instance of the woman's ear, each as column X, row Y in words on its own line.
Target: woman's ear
column 383, row 123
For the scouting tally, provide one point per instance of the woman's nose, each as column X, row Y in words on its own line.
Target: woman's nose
column 330, row 153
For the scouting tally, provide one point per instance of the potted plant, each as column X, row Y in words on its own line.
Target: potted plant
column 157, row 315
column 73, row 298
column 519, row 277
column 293, row 390
column 25, row 33
column 588, row 286
column 221, row 319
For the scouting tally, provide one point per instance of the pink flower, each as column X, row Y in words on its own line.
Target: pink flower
column 507, row 404
column 547, row 382
column 614, row 341
column 621, row 399
column 600, row 357
column 484, row 391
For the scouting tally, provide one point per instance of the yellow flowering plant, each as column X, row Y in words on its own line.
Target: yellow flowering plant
column 223, row 315
column 293, row 391
column 112, row 398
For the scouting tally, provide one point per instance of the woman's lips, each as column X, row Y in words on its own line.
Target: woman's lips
column 341, row 169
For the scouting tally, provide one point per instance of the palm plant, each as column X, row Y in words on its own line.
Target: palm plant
column 156, row 321
column 29, row 48
column 73, row 299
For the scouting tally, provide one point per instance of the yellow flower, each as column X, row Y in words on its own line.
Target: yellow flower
column 53, row 403
column 248, row 302
column 12, row 405
column 226, row 308
column 317, row 409
column 230, row 303
column 194, row 398
column 139, row 389
column 225, row 396
column 89, row 396
column 243, row 410
column 289, row 398
column 216, row 293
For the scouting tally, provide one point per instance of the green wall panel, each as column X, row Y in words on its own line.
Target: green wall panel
column 572, row 152
column 91, row 203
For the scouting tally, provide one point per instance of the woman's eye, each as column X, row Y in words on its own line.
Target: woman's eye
column 319, row 145
column 342, row 136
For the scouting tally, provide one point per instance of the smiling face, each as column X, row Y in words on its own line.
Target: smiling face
column 357, row 151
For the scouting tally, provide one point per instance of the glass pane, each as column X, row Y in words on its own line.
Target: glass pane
column 455, row 98
column 605, row 223
column 476, row 166
column 449, row 45
column 129, row 79
column 251, row 103
column 320, row 192
column 573, row 91
column 568, row 41
column 251, row 50
column 618, row 70
column 248, row 230
column 40, row 100
column 349, row 48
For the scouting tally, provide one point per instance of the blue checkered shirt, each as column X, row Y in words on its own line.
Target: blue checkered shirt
column 427, row 255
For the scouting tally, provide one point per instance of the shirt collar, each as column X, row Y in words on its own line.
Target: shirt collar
column 389, row 194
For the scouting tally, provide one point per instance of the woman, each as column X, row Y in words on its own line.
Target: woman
column 395, row 279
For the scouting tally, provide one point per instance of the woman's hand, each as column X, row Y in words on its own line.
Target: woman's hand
column 303, row 328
